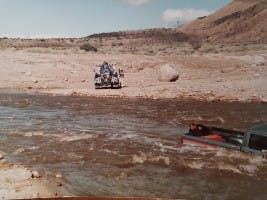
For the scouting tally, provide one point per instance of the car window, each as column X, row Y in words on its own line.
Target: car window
column 258, row 142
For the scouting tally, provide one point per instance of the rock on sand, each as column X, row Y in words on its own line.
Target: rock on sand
column 35, row 174
column 168, row 73
column 1, row 156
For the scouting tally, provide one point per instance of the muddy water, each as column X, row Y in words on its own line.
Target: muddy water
column 128, row 147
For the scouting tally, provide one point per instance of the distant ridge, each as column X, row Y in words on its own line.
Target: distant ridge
column 162, row 35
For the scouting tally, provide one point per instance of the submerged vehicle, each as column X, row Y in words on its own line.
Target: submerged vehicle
column 106, row 76
column 254, row 140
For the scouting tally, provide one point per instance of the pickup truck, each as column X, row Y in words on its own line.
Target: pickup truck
column 254, row 140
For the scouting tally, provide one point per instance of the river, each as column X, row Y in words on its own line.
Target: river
column 129, row 147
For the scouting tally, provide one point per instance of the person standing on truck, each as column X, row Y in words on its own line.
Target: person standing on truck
column 111, row 69
column 103, row 67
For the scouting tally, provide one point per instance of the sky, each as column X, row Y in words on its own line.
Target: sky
column 79, row 18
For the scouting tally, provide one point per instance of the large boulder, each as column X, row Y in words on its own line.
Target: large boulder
column 168, row 73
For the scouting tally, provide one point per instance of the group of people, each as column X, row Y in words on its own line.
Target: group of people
column 110, row 68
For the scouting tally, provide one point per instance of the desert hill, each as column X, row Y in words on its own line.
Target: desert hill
column 241, row 20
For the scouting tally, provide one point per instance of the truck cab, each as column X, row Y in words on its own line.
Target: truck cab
column 255, row 140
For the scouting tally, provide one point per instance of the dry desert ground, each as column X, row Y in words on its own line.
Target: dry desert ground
column 207, row 75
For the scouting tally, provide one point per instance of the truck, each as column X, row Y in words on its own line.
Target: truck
column 253, row 140
column 106, row 76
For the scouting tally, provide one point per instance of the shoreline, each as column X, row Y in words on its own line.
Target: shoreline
column 71, row 92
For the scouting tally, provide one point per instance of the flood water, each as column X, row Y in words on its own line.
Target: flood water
column 129, row 147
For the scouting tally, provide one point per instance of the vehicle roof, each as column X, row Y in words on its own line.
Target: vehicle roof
column 260, row 130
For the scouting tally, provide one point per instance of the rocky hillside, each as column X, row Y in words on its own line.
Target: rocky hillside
column 241, row 20
column 141, row 37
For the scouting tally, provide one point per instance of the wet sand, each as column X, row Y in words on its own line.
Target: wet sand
column 129, row 147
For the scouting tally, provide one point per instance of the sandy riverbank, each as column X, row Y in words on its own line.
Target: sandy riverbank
column 16, row 182
column 237, row 76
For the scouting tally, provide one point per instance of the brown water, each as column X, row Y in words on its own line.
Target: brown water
column 128, row 147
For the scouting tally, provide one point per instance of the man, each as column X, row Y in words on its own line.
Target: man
column 198, row 130
column 111, row 69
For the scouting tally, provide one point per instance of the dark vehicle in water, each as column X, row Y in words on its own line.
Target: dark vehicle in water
column 106, row 76
column 254, row 140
